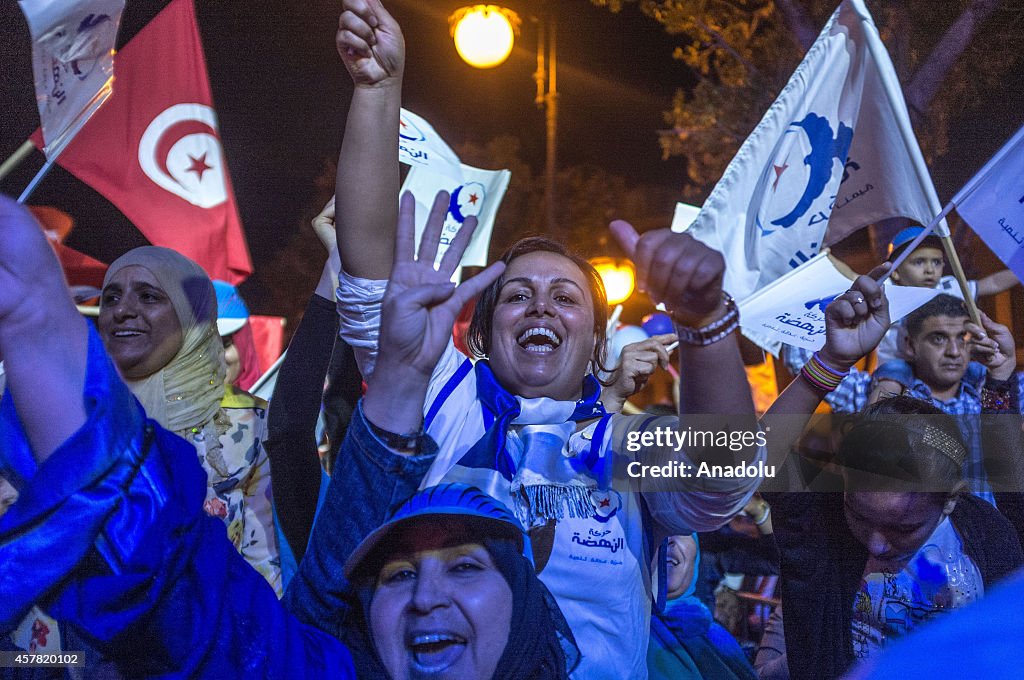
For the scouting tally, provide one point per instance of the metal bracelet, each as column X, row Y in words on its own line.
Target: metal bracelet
column 714, row 331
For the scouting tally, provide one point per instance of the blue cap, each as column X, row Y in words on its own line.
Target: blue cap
column 232, row 313
column 905, row 236
column 458, row 500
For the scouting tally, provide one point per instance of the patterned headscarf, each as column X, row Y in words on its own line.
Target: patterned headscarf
column 184, row 396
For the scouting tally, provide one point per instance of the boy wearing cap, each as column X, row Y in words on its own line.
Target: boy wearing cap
column 923, row 269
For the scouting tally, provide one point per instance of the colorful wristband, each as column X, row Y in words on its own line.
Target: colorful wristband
column 820, row 375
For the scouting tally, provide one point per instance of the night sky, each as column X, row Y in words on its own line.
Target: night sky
column 281, row 93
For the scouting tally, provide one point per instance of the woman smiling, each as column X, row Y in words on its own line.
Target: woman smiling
column 158, row 321
column 525, row 422
column 112, row 504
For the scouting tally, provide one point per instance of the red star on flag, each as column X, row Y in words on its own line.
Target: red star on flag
column 605, row 503
column 199, row 166
column 473, row 198
column 779, row 169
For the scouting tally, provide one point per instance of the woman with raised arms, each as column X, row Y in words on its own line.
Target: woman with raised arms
column 525, row 423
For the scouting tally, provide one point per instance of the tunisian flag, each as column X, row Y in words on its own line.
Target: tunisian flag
column 154, row 150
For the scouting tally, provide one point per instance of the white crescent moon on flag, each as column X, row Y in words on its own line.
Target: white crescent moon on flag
column 181, row 152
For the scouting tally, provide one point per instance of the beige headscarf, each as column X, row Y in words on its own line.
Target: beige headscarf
column 184, row 396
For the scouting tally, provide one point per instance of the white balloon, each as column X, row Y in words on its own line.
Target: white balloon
column 625, row 335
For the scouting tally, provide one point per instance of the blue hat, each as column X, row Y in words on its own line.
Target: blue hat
column 446, row 499
column 232, row 313
column 905, row 236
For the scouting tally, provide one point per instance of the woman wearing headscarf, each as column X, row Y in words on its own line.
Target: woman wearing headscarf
column 111, row 503
column 686, row 641
column 158, row 321
column 900, row 543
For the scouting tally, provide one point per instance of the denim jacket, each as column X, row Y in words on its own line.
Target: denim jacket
column 109, row 535
column 376, row 480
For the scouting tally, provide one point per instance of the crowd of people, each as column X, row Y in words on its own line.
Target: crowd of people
column 471, row 518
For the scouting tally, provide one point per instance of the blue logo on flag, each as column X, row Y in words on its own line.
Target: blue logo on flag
column 820, row 303
column 466, row 200
column 825, row 147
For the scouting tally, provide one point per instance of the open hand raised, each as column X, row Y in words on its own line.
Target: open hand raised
column 421, row 302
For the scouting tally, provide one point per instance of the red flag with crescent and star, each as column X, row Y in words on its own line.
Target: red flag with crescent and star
column 154, row 151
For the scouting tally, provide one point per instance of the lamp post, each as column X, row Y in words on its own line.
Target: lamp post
column 480, row 32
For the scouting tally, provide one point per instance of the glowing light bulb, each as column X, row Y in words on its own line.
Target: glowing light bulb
column 484, row 34
column 618, row 276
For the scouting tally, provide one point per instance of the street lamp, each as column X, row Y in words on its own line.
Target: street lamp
column 485, row 23
column 484, row 34
column 618, row 276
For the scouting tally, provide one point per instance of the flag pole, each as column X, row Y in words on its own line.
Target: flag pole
column 961, row 278
column 972, row 308
column 895, row 98
column 36, row 180
column 16, row 158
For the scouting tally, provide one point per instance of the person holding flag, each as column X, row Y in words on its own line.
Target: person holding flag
column 154, row 150
column 923, row 268
column 988, row 203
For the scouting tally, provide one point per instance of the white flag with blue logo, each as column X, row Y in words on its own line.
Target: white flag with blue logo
column 791, row 309
column 993, row 204
column 478, row 193
column 420, row 146
column 72, row 63
column 832, row 154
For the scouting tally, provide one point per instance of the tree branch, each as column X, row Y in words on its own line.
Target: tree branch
column 723, row 44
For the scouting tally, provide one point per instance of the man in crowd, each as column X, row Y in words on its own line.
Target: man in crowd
column 936, row 347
